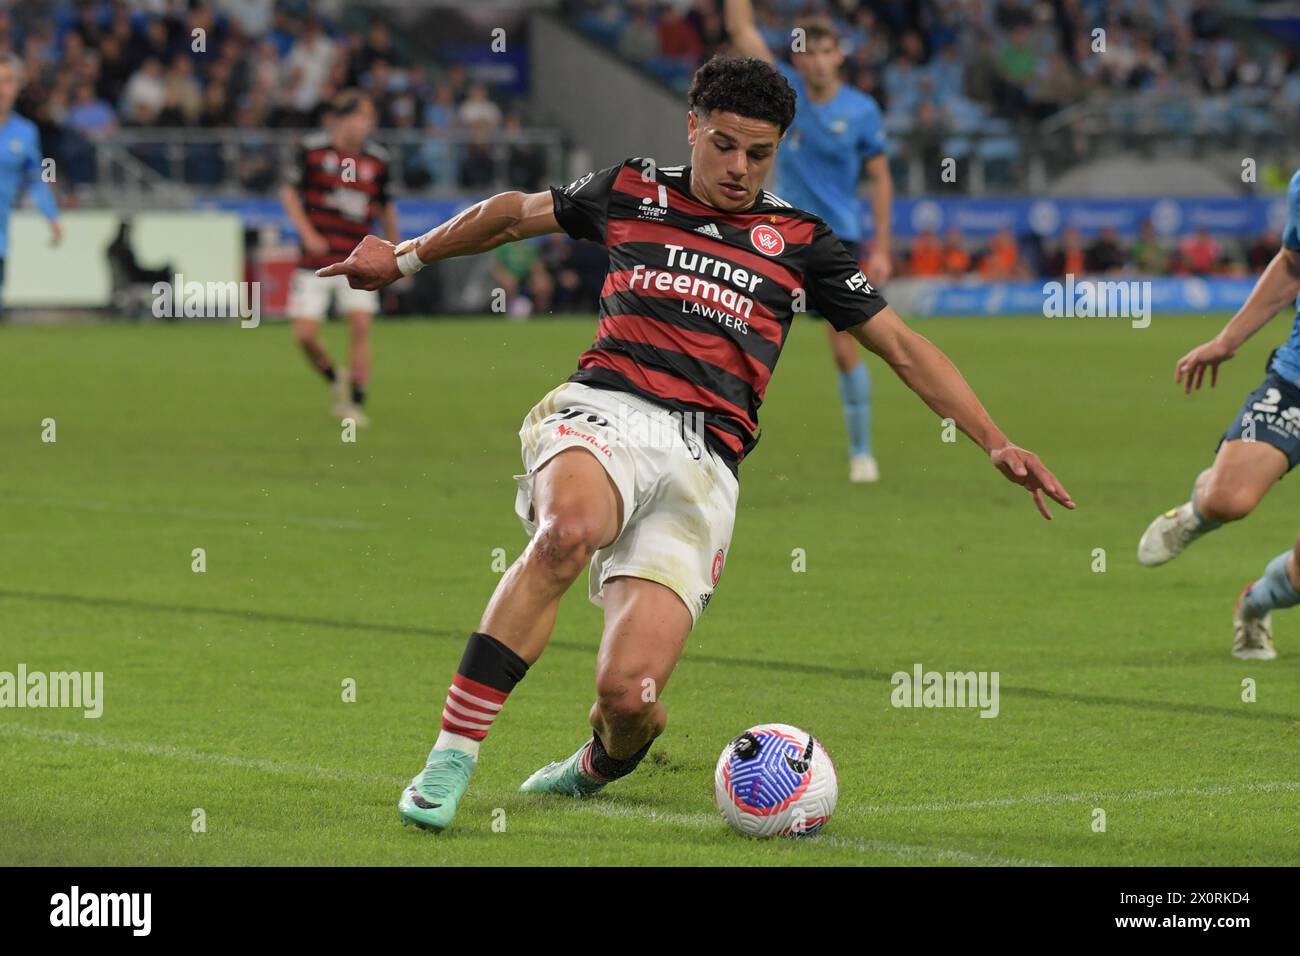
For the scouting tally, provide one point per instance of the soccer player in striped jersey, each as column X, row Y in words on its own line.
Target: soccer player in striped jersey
column 1261, row 445
column 632, row 465
column 333, row 193
column 838, row 132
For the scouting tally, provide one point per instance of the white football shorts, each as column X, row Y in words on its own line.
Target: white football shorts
column 309, row 296
column 679, row 497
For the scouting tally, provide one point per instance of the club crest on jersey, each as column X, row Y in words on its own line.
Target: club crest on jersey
column 718, row 560
column 767, row 240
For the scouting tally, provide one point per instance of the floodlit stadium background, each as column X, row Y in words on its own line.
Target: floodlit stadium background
column 1018, row 151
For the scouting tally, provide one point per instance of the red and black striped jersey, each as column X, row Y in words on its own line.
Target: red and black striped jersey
column 697, row 302
column 342, row 193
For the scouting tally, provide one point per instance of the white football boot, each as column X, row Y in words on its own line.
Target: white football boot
column 1252, row 637
column 1169, row 535
column 863, row 468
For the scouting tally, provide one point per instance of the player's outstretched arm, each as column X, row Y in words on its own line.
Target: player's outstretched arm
column 1276, row 289
column 929, row 373
column 739, row 18
column 506, row 217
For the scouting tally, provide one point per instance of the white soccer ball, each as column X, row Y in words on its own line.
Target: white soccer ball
column 775, row 780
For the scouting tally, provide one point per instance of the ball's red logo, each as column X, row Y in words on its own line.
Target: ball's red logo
column 717, row 566
column 767, row 240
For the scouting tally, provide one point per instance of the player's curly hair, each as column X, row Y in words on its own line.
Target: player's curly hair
column 745, row 86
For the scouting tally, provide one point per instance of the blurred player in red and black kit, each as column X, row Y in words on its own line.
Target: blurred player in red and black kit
column 333, row 193
column 706, row 272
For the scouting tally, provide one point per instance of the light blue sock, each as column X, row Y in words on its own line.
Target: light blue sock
column 1273, row 591
column 855, row 393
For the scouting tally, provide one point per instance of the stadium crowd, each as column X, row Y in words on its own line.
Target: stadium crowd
column 939, row 68
column 95, row 67
column 955, row 64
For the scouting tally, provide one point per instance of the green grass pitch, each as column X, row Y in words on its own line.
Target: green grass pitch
column 372, row 561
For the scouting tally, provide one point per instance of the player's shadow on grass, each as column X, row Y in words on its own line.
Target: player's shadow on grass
column 787, row 667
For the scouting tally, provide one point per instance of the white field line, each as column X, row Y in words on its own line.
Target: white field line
column 117, row 507
column 1059, row 799
column 76, row 738
column 692, row 820
column 173, row 752
column 714, row 821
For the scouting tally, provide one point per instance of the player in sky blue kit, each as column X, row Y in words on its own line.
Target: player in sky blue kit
column 1260, row 446
column 837, row 129
column 20, row 161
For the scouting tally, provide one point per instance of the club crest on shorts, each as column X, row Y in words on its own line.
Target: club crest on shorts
column 718, row 560
column 767, row 240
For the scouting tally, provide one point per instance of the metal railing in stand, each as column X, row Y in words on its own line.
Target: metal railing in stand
column 1030, row 161
column 132, row 182
column 176, row 164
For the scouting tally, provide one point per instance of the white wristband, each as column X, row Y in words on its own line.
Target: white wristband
column 409, row 262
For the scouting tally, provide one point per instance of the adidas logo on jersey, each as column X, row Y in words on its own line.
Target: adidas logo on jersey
column 710, row 230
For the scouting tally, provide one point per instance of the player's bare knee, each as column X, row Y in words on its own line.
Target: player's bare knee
column 564, row 545
column 622, row 701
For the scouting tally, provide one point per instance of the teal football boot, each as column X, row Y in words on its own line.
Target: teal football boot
column 431, row 798
column 565, row 777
